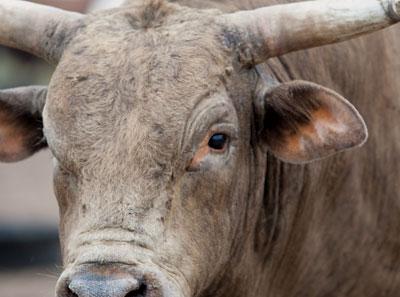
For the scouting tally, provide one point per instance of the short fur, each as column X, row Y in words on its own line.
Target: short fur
column 137, row 91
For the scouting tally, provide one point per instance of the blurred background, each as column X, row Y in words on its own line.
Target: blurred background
column 30, row 260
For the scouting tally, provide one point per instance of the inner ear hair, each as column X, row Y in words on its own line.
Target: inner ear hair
column 288, row 107
column 21, row 125
column 302, row 122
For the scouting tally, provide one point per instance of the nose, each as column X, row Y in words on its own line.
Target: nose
column 102, row 285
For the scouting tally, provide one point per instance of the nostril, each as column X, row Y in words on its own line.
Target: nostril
column 68, row 293
column 141, row 292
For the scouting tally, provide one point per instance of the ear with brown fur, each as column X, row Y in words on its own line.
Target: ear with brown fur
column 303, row 122
column 21, row 126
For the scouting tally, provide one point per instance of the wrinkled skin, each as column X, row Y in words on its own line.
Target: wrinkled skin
column 130, row 109
column 126, row 184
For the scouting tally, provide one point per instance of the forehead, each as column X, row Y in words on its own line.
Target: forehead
column 123, row 77
column 147, row 51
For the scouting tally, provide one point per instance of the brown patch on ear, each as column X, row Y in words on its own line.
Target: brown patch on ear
column 304, row 122
column 21, row 133
column 324, row 115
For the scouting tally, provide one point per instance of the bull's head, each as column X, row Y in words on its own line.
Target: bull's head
column 159, row 122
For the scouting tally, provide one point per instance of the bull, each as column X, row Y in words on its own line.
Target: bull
column 184, row 142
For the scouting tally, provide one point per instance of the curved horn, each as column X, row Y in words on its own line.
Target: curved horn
column 277, row 30
column 34, row 28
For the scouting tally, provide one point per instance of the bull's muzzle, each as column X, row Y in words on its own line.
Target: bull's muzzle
column 104, row 281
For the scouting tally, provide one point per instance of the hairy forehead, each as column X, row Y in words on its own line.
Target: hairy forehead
column 112, row 86
column 166, row 59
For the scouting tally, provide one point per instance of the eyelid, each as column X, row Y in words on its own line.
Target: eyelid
column 203, row 150
column 224, row 128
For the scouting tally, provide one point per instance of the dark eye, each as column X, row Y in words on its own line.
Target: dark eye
column 218, row 142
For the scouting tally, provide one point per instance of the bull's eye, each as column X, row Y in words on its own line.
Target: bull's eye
column 218, row 142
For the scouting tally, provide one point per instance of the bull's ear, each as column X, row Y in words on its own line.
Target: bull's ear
column 21, row 126
column 303, row 122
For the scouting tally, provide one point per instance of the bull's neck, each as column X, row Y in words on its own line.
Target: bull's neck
column 286, row 192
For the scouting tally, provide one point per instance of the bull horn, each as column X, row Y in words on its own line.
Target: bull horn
column 35, row 28
column 276, row 30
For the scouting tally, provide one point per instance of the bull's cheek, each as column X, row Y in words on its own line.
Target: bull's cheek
column 205, row 224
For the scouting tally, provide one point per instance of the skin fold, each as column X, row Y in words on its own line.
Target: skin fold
column 138, row 93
